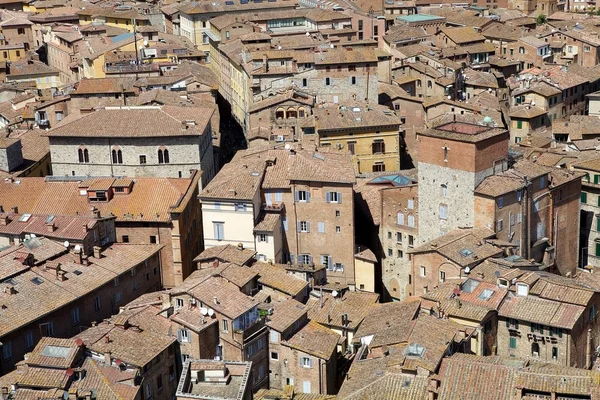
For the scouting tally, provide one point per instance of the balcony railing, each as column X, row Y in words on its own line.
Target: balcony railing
column 241, row 336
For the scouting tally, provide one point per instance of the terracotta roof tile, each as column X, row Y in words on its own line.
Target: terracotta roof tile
column 314, row 339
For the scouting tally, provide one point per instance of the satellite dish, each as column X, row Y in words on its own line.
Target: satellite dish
column 203, row 311
column 146, row 42
column 332, row 46
column 287, row 146
column 211, row 312
column 467, row 270
column 66, row 244
column 334, row 293
column 77, row 248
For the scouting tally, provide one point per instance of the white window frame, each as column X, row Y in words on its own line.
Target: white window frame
column 422, row 271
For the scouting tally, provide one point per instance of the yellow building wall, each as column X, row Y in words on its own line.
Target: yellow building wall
column 363, row 158
column 12, row 54
column 238, row 92
column 365, row 275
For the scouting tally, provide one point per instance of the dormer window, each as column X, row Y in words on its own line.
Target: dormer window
column 503, row 283
column 522, row 289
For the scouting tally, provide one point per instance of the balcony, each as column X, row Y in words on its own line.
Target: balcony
column 273, row 207
column 241, row 336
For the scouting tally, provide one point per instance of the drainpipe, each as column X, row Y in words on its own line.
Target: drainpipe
column 588, row 350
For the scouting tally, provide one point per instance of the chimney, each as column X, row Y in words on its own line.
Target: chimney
column 107, row 354
column 15, row 209
column 166, row 300
column 95, row 212
column 97, row 252
column 50, row 227
column 215, row 300
column 4, row 220
column 240, row 246
column 10, row 289
column 78, row 259
column 85, row 228
column 60, row 275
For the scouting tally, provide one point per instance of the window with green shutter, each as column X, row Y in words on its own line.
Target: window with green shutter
column 596, row 179
column 519, row 124
column 583, row 197
column 598, row 249
column 598, row 224
column 598, row 201
column 513, row 343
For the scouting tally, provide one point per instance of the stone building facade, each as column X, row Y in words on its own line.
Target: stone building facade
column 398, row 234
column 146, row 141
column 455, row 158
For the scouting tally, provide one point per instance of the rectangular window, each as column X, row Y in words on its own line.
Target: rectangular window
column 125, row 239
column 443, row 211
column 117, row 297
column 142, row 159
column 499, row 225
column 513, row 343
column 274, row 337
column 153, row 239
column 398, row 237
column 303, row 226
column 584, row 197
column 327, row 81
column 411, row 204
column 400, row 254
column 179, row 303
column 274, row 355
column 225, row 325
column 378, row 146
column 304, row 82
column 97, row 303
column 28, row 339
column 353, row 80
column 442, row 276
column 411, row 221
column 423, row 271
column 500, row 202
column 6, row 350
column 47, row 329
column 219, row 230
column 519, row 124
column 116, row 281
column 302, row 196
column 184, row 336
column 326, row 261
column 390, row 253
column 333, row 197
column 411, row 240
column 321, row 227
column 306, row 386
column 306, row 362
column 352, row 148
column 75, row 316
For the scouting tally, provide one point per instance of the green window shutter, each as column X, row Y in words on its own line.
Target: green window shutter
column 584, row 197
column 596, row 178
column 559, row 332
column 598, row 224
column 519, row 124
column 513, row 343
column 598, row 201
column 508, row 322
column 532, row 327
column 598, row 249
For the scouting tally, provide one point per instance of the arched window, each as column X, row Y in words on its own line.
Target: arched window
column 400, row 218
column 280, row 113
column 411, row 221
column 535, row 349
column 301, row 112
column 429, row 85
column 83, row 155
column 163, row 156
column 291, row 113
column 117, row 155
column 521, row 50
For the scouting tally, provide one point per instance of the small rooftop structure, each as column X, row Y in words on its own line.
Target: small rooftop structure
column 214, row 379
